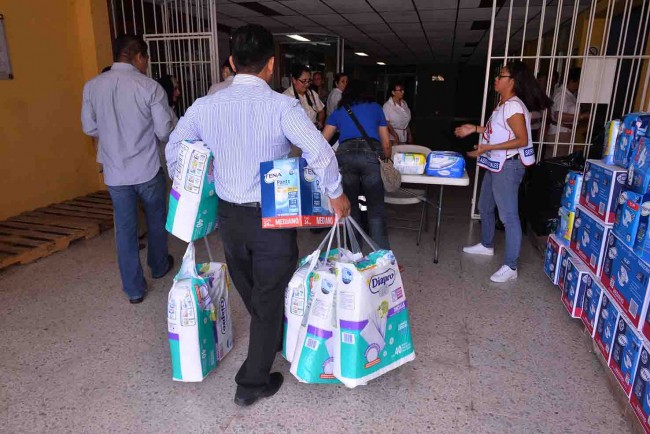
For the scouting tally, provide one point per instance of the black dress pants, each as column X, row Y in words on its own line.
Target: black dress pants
column 261, row 263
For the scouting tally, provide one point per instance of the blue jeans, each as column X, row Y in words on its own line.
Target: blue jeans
column 361, row 176
column 125, row 205
column 501, row 189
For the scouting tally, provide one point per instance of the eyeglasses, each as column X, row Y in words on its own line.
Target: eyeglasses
column 305, row 80
column 502, row 76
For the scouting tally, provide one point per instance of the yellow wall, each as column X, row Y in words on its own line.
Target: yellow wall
column 54, row 47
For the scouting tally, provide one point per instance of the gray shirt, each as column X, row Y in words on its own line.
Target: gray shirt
column 221, row 85
column 128, row 112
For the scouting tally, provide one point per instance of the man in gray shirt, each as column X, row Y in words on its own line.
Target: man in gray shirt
column 128, row 113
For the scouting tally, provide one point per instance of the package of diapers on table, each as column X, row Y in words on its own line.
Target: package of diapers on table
column 193, row 201
column 446, row 164
column 373, row 333
column 409, row 163
column 191, row 318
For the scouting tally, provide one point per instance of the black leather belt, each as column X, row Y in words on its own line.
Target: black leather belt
column 245, row 204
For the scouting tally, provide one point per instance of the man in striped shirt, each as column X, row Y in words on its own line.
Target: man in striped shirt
column 244, row 125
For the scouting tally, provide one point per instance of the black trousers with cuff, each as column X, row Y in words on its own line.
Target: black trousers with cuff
column 261, row 262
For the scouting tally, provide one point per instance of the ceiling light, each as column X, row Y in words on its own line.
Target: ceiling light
column 299, row 38
column 381, row 63
column 361, row 54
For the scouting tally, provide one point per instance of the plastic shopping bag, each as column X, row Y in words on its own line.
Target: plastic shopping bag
column 373, row 334
column 193, row 201
column 191, row 320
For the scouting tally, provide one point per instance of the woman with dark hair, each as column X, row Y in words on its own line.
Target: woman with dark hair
column 318, row 86
column 340, row 82
column 172, row 89
column 506, row 148
column 358, row 157
column 309, row 100
column 398, row 115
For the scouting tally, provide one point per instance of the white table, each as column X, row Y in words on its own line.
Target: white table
column 441, row 181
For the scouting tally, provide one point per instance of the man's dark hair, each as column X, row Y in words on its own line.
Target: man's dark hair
column 297, row 70
column 227, row 64
column 396, row 83
column 339, row 76
column 252, row 47
column 357, row 92
column 127, row 46
column 574, row 74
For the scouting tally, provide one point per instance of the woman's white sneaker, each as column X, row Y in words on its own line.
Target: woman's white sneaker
column 479, row 249
column 504, row 274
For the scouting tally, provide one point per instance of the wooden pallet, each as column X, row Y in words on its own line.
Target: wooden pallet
column 39, row 233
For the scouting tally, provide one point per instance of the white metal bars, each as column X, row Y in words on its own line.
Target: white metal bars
column 607, row 39
column 182, row 39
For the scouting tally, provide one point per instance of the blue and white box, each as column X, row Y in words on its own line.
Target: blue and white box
column 591, row 304
column 553, row 257
column 628, row 215
column 627, row 278
column 608, row 316
column 640, row 396
column 564, row 264
column 626, row 351
column 601, row 186
column 564, row 227
column 634, row 125
column 589, row 238
column 576, row 281
column 447, row 164
column 638, row 174
column 572, row 189
column 292, row 195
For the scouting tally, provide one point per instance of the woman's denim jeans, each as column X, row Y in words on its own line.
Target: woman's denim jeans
column 361, row 176
column 501, row 189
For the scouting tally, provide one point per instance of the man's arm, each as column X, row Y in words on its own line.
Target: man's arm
column 88, row 117
column 186, row 129
column 163, row 116
column 319, row 155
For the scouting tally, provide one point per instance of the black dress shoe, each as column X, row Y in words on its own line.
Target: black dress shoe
column 170, row 260
column 245, row 397
column 136, row 300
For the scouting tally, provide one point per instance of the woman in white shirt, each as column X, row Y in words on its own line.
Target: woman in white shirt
column 309, row 100
column 398, row 115
column 506, row 148
column 340, row 82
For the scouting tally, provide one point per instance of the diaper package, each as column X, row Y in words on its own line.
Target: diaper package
column 628, row 214
column 638, row 174
column 576, row 282
column 591, row 304
column 564, row 227
column 612, row 129
column 606, row 323
column 374, row 334
column 601, row 187
column 553, row 256
column 219, row 286
column 588, row 239
column 626, row 350
column 409, row 163
column 634, row 125
column 564, row 264
column 447, row 164
column 313, row 360
column 626, row 278
column 295, row 305
column 640, row 396
column 192, row 201
column 571, row 191
column 292, row 195
column 191, row 318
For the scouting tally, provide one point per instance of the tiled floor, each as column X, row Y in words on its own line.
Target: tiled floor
column 77, row 357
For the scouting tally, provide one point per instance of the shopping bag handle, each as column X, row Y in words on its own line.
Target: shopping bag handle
column 188, row 266
column 365, row 236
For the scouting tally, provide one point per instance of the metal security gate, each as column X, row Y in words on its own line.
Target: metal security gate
column 607, row 39
column 182, row 39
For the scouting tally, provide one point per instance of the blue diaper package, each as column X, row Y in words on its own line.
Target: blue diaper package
column 565, row 255
column 628, row 216
column 564, row 227
column 612, row 129
column 626, row 350
column 638, row 174
column 446, row 164
column 640, row 397
column 575, row 284
column 571, row 191
column 634, row 125
column 554, row 248
column 588, row 239
column 590, row 305
column 626, row 277
column 601, row 186
column 608, row 316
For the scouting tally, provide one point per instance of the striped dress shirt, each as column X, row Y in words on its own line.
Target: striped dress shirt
column 249, row 123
